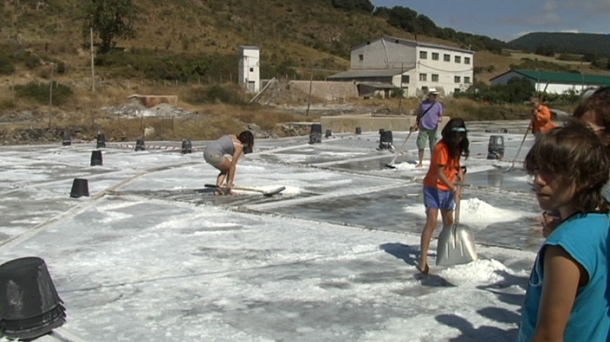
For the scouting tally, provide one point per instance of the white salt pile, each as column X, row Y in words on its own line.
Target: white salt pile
column 479, row 271
column 476, row 213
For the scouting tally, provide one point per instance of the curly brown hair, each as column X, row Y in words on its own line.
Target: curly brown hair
column 576, row 154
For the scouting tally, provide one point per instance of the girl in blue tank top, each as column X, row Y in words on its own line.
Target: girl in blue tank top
column 566, row 295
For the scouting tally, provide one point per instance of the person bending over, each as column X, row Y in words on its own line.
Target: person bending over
column 216, row 154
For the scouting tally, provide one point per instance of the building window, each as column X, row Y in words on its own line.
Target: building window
column 251, row 69
column 405, row 79
column 423, row 55
column 361, row 57
column 423, row 77
column 435, row 56
column 447, row 58
column 467, row 80
column 434, row 78
column 458, row 59
column 466, row 60
column 456, row 79
column 456, row 90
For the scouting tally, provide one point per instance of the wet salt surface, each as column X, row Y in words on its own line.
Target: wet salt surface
column 159, row 258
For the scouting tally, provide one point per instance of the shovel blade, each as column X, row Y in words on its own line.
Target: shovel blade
column 455, row 246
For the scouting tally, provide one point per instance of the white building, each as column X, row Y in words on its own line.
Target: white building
column 554, row 82
column 249, row 69
column 389, row 62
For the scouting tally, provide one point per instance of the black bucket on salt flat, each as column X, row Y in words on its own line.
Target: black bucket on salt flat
column 358, row 130
column 385, row 140
column 329, row 133
column 96, row 158
column 100, row 141
column 187, row 146
column 67, row 138
column 315, row 134
column 80, row 188
column 29, row 304
column 495, row 148
column 140, row 145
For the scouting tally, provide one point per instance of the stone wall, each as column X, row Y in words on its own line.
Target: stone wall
column 370, row 123
column 328, row 91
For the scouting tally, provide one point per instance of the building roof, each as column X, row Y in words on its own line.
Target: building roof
column 410, row 42
column 364, row 73
column 249, row 47
column 560, row 77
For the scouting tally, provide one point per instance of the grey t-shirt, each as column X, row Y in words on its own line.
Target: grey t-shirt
column 222, row 146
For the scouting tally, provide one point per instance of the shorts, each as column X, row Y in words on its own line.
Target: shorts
column 438, row 199
column 213, row 159
column 427, row 137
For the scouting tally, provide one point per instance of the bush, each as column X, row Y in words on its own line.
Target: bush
column 217, row 93
column 41, row 92
column 6, row 66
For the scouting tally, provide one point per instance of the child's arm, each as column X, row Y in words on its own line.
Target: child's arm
column 562, row 275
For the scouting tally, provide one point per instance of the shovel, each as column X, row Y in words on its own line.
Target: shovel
column 392, row 164
column 455, row 243
column 265, row 193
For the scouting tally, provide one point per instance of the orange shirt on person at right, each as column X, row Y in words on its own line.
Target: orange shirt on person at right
column 441, row 157
column 543, row 121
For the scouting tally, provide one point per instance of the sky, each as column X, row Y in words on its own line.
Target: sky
column 507, row 20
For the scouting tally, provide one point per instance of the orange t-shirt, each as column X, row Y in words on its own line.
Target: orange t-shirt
column 441, row 157
column 543, row 121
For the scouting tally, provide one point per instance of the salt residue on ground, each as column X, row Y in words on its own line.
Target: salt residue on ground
column 410, row 165
column 474, row 212
column 479, row 271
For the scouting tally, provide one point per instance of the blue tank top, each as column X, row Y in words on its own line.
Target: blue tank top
column 585, row 238
column 222, row 146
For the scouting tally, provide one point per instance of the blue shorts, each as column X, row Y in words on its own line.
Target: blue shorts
column 438, row 199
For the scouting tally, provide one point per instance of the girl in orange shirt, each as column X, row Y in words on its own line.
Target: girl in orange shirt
column 440, row 183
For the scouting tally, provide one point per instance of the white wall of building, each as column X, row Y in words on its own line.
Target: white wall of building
column 382, row 53
column 434, row 71
column 249, row 69
column 427, row 71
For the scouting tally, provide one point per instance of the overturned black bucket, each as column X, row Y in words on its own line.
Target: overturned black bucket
column 329, row 133
column 67, row 139
column 386, row 140
column 101, row 141
column 96, row 158
column 358, row 130
column 80, row 188
column 187, row 146
column 315, row 134
column 495, row 148
column 140, row 145
column 29, row 304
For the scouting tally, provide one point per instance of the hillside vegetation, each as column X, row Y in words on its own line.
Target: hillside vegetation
column 189, row 48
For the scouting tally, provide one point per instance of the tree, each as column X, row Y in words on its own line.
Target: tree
column 111, row 20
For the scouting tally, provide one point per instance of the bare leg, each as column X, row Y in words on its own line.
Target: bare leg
column 222, row 176
column 426, row 236
column 447, row 216
column 421, row 158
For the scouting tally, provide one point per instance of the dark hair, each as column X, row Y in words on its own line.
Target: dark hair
column 247, row 139
column 453, row 130
column 599, row 104
column 576, row 154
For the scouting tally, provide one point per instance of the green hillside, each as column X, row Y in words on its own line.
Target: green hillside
column 564, row 43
